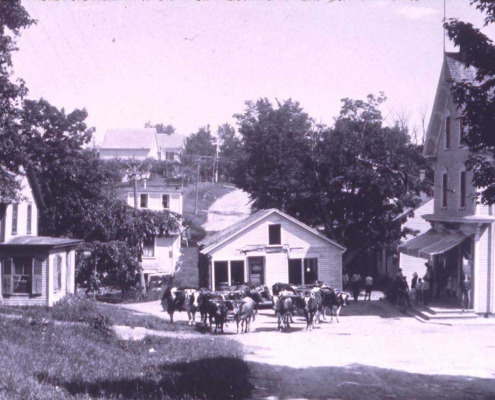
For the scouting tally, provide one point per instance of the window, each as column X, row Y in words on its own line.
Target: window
column 462, row 132
column 310, row 270
column 29, row 219
column 462, row 192
column 21, row 275
column 447, row 132
column 444, row 190
column 303, row 271
column 221, row 274
column 57, row 274
column 237, row 272
column 274, row 234
column 165, row 201
column 149, row 247
column 143, row 200
column 169, row 155
column 15, row 216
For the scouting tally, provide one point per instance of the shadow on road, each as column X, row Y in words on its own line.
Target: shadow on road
column 360, row 382
column 215, row 378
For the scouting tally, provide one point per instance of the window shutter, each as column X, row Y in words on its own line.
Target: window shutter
column 36, row 288
column 7, row 276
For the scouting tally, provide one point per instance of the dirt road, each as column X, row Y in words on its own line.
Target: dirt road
column 228, row 210
column 375, row 352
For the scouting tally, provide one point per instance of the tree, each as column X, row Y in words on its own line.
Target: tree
column 476, row 99
column 276, row 153
column 111, row 261
column 200, row 148
column 13, row 18
column 351, row 180
column 161, row 128
column 230, row 151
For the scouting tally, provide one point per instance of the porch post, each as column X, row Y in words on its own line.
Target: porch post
column 212, row 266
column 229, row 273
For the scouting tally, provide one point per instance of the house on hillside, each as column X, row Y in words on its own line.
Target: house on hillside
column 160, row 254
column 140, row 144
column 170, row 147
column 35, row 270
column 461, row 237
column 269, row 247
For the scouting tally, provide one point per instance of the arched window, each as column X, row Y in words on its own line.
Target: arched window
column 447, row 131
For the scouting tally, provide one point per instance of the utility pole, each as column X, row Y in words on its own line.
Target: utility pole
column 197, row 184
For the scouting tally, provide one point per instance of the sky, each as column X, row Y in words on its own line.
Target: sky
column 193, row 63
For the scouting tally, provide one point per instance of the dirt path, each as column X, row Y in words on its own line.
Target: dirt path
column 228, row 210
column 375, row 352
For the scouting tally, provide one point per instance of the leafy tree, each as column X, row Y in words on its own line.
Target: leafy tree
column 230, row 151
column 350, row 180
column 200, row 148
column 13, row 18
column 161, row 128
column 477, row 98
column 111, row 261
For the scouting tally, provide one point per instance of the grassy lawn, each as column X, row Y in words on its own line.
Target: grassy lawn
column 43, row 360
column 80, row 309
column 207, row 194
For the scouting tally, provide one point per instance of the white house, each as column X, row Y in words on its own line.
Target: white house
column 170, row 147
column 160, row 255
column 36, row 270
column 269, row 247
column 461, row 238
column 140, row 144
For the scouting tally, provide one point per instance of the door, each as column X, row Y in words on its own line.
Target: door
column 256, row 268
column 295, row 271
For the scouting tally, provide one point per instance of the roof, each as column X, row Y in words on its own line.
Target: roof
column 173, row 141
column 458, row 70
column 212, row 241
column 431, row 243
column 40, row 241
column 129, row 138
column 453, row 68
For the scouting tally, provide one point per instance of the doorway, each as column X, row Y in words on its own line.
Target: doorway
column 256, row 270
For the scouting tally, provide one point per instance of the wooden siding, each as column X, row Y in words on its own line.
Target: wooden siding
column 452, row 161
column 167, row 251
column 297, row 242
column 27, row 194
column 155, row 200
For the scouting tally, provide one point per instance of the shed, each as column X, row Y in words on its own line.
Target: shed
column 269, row 247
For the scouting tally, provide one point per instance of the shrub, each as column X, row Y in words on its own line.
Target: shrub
column 74, row 308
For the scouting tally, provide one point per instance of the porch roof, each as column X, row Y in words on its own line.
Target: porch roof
column 431, row 243
column 39, row 242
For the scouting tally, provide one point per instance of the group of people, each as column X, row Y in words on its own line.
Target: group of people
column 355, row 282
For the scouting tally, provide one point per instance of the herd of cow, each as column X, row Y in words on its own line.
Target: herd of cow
column 312, row 301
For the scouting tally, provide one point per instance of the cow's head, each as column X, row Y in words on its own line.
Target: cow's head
column 344, row 296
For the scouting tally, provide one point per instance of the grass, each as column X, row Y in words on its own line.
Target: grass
column 207, row 194
column 82, row 309
column 44, row 360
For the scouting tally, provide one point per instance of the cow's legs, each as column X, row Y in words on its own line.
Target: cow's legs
column 171, row 314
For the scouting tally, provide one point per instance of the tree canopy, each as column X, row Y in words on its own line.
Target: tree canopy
column 477, row 98
column 352, row 180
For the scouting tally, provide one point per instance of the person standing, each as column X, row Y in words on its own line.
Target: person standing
column 356, row 285
column 368, row 286
column 345, row 281
column 466, row 292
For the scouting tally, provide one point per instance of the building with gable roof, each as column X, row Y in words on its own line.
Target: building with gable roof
column 140, row 144
column 269, row 247
column 35, row 270
column 461, row 238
